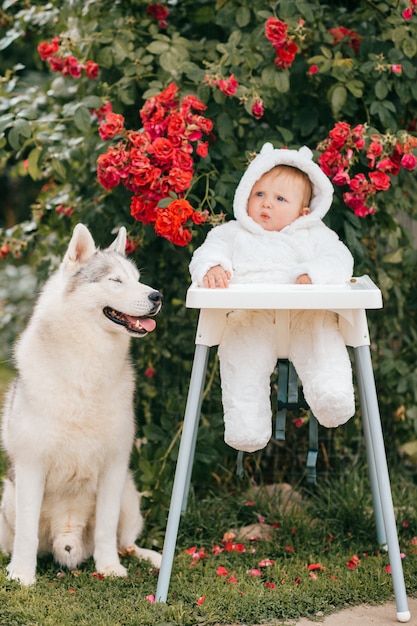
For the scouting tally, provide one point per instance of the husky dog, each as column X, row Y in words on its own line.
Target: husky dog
column 68, row 425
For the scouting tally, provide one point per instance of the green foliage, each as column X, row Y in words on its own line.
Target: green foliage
column 304, row 568
column 49, row 144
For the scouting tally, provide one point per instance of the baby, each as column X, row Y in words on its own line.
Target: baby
column 278, row 236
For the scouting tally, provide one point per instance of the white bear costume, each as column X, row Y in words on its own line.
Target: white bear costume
column 248, row 350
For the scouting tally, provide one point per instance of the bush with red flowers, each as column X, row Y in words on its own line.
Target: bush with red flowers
column 145, row 114
column 156, row 162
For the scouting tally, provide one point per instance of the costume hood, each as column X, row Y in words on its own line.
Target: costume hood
column 269, row 157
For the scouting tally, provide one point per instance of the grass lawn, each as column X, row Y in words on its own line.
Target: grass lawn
column 313, row 559
column 317, row 559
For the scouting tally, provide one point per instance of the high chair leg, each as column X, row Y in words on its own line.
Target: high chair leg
column 379, row 472
column 183, row 469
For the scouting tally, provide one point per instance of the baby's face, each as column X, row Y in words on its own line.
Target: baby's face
column 276, row 200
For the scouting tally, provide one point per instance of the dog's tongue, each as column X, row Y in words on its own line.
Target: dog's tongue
column 147, row 323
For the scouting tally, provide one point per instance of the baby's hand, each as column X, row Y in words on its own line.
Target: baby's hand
column 216, row 277
column 304, row 279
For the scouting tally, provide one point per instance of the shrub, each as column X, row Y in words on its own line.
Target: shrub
column 93, row 92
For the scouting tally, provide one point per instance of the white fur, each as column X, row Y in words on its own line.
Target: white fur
column 68, row 425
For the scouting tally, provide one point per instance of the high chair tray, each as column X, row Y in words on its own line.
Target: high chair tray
column 358, row 293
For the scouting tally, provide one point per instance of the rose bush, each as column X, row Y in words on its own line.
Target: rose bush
column 145, row 114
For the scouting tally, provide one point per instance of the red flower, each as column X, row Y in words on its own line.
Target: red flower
column 286, row 55
column 380, row 180
column 388, row 165
column 408, row 161
column 56, row 64
column 408, row 13
column 258, row 109
column 341, row 34
column 47, row 50
column 202, row 149
column 91, row 69
column 179, row 179
column 162, row 149
column 313, row 69
column 353, row 562
column 72, row 66
column 113, row 125
column 142, row 210
column 159, row 12
column 276, row 31
column 222, row 571
column 340, row 133
column 158, row 160
column 228, row 86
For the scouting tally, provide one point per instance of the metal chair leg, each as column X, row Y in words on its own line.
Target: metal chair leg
column 379, row 473
column 183, row 469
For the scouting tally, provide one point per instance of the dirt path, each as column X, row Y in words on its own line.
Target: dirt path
column 362, row 615
column 366, row 615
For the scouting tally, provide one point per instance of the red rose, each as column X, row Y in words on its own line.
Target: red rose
column 72, row 66
column 162, row 149
column 47, row 49
column 258, row 109
column 202, row 149
column 113, row 125
column 108, row 177
column 179, row 179
column 276, row 31
column 409, row 161
column 142, row 210
column 91, row 69
column 340, row 133
column 380, row 180
column 228, row 86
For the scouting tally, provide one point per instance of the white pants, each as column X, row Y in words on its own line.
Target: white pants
column 248, row 354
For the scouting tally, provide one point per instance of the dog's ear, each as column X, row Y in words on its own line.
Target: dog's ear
column 119, row 244
column 81, row 247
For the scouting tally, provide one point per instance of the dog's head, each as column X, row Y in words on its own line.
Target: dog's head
column 106, row 280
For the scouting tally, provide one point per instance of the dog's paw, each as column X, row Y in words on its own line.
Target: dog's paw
column 115, row 569
column 25, row 577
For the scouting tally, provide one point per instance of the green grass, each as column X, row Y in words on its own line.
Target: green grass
column 334, row 524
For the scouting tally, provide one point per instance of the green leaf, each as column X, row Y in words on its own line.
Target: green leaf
column 33, row 159
column 158, row 47
column 6, row 121
column 409, row 47
column 381, row 89
column 59, row 169
column 92, row 102
column 355, row 87
column 23, row 127
column 105, row 57
column 282, row 81
column 82, row 119
column 120, row 50
column 14, row 138
column 243, row 16
column 337, row 96
column 287, row 135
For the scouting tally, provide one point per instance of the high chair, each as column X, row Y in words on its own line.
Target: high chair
column 350, row 302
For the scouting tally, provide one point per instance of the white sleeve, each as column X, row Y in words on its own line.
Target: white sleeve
column 331, row 262
column 216, row 250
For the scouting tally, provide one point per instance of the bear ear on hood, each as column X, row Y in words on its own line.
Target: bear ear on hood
column 268, row 158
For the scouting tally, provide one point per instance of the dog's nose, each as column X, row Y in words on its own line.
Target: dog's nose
column 156, row 298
